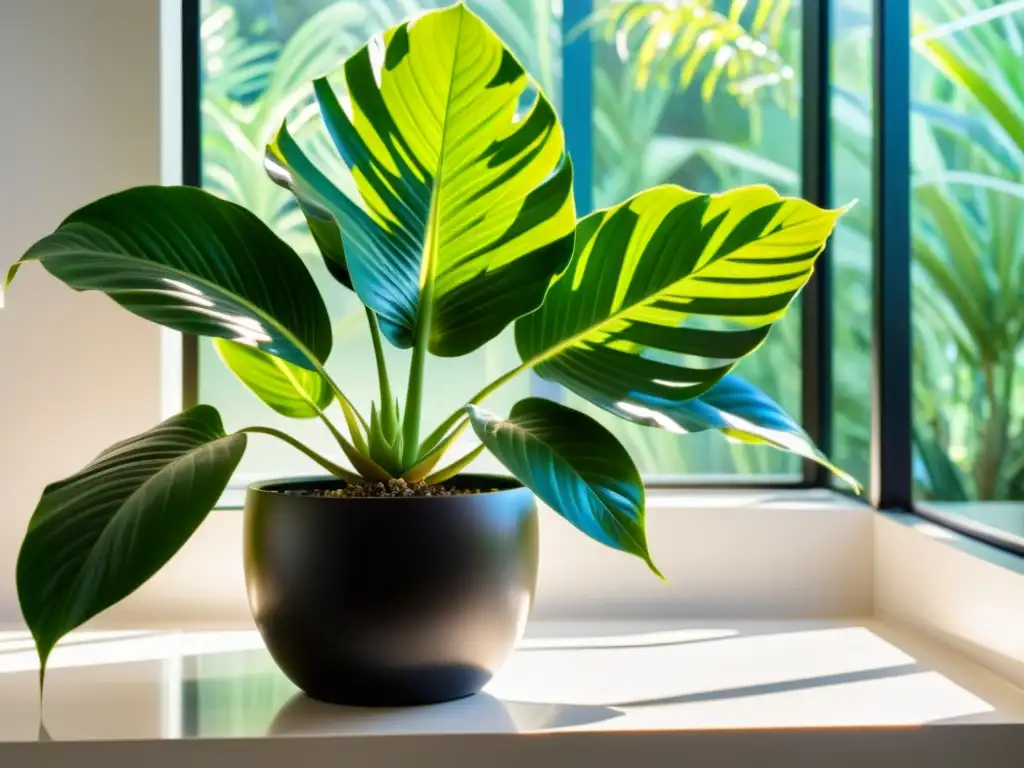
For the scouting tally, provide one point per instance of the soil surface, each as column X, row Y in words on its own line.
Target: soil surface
column 390, row 490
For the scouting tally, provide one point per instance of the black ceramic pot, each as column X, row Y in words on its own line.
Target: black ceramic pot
column 390, row 602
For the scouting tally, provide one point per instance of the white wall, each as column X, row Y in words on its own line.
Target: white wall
column 80, row 100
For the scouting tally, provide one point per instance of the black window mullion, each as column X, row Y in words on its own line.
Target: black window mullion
column 190, row 170
column 577, row 122
column 891, row 485
column 578, row 99
column 816, row 309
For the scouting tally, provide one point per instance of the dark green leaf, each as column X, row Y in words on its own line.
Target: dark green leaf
column 98, row 535
column 185, row 259
column 574, row 465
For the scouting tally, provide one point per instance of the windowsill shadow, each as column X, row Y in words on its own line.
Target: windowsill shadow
column 820, row 681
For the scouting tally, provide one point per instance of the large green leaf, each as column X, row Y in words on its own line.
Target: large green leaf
column 666, row 291
column 745, row 414
column 184, row 259
column 465, row 209
column 290, row 390
column 574, row 465
column 98, row 535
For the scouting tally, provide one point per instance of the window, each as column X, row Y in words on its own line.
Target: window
column 851, row 152
column 932, row 254
column 967, row 154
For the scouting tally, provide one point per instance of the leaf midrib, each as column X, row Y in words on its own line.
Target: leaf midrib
column 425, row 310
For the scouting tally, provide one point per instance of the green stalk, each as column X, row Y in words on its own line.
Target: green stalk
column 386, row 398
column 347, row 408
column 353, row 420
column 425, row 311
column 430, row 456
column 435, row 437
column 413, row 405
column 447, row 473
column 326, row 463
column 536, row 360
column 366, row 467
column 414, row 393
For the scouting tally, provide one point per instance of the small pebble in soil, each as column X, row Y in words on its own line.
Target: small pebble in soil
column 392, row 489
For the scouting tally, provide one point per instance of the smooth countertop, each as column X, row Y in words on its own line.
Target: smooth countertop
column 119, row 697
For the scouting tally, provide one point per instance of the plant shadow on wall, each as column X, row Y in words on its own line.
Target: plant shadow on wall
column 458, row 221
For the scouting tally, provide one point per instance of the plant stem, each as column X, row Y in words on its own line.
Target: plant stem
column 353, row 419
column 346, row 406
column 366, row 467
column 454, row 468
column 536, row 360
column 430, row 455
column 414, row 393
column 413, row 405
column 327, row 464
column 438, row 434
column 438, row 439
column 386, row 398
column 335, row 432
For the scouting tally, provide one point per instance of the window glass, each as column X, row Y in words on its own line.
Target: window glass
column 968, row 255
column 851, row 246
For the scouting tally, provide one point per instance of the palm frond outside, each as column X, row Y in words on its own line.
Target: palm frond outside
column 689, row 40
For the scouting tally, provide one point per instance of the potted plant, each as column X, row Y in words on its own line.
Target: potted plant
column 401, row 579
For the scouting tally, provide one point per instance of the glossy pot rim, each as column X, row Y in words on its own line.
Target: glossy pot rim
column 506, row 485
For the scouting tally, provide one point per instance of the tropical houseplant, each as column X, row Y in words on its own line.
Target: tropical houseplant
column 462, row 223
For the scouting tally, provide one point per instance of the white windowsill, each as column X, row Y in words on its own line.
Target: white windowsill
column 156, row 698
column 784, row 609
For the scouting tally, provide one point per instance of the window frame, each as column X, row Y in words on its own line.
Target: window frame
column 891, row 484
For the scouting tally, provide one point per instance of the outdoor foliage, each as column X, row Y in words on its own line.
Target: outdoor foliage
column 968, row 241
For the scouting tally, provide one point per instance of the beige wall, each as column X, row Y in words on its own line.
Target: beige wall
column 79, row 89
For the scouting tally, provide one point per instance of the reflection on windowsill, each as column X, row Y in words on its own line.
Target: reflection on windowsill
column 760, row 675
column 999, row 516
column 483, row 713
